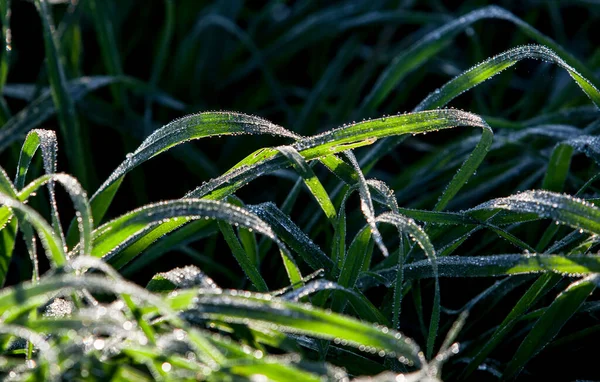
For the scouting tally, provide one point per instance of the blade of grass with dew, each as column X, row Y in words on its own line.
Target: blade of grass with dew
column 501, row 265
column 562, row 208
column 310, row 179
column 64, row 103
column 51, row 243
column 195, row 126
column 366, row 203
column 46, row 139
column 117, row 233
column 242, row 257
column 322, row 145
column 294, row 237
column 440, row 38
column 299, row 318
column 550, row 323
column 408, row 225
column 496, row 65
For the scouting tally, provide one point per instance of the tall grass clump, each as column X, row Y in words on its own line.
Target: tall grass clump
column 224, row 191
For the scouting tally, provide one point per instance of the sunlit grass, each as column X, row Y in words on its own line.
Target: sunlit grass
column 334, row 244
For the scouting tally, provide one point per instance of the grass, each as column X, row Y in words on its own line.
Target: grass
column 365, row 206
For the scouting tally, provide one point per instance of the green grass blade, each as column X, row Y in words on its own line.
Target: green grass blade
column 294, row 237
column 242, row 257
column 195, row 126
column 65, row 106
column 550, row 323
column 561, row 208
column 112, row 236
column 266, row 160
column 438, row 39
column 310, row 179
column 315, row 322
column 366, row 203
column 51, row 243
column 502, row 265
column 495, row 65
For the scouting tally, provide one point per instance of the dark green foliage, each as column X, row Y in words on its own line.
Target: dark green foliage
column 335, row 219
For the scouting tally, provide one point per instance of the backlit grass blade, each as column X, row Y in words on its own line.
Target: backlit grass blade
column 51, row 243
column 323, row 145
column 46, row 140
column 408, row 225
column 287, row 231
column 439, row 38
column 561, row 208
column 242, row 258
column 338, row 140
column 495, row 65
column 194, row 126
column 502, row 265
column 310, row 179
column 302, row 319
column 65, row 106
column 113, row 235
column 550, row 323
column 366, row 203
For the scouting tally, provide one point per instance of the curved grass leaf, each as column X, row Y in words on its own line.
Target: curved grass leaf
column 51, row 243
column 502, row 265
column 550, row 323
column 439, row 38
column 322, row 145
column 490, row 67
column 113, row 235
column 303, row 319
column 561, row 208
column 310, row 179
column 194, row 126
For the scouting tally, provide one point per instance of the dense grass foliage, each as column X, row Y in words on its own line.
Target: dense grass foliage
column 372, row 190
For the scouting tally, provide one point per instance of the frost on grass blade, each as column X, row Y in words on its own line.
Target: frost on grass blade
column 563, row 209
column 112, row 237
column 408, row 225
column 51, row 243
column 495, row 65
column 264, row 310
column 188, row 128
column 439, row 38
column 501, row 265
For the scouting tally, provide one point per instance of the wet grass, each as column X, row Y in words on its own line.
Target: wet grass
column 391, row 191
